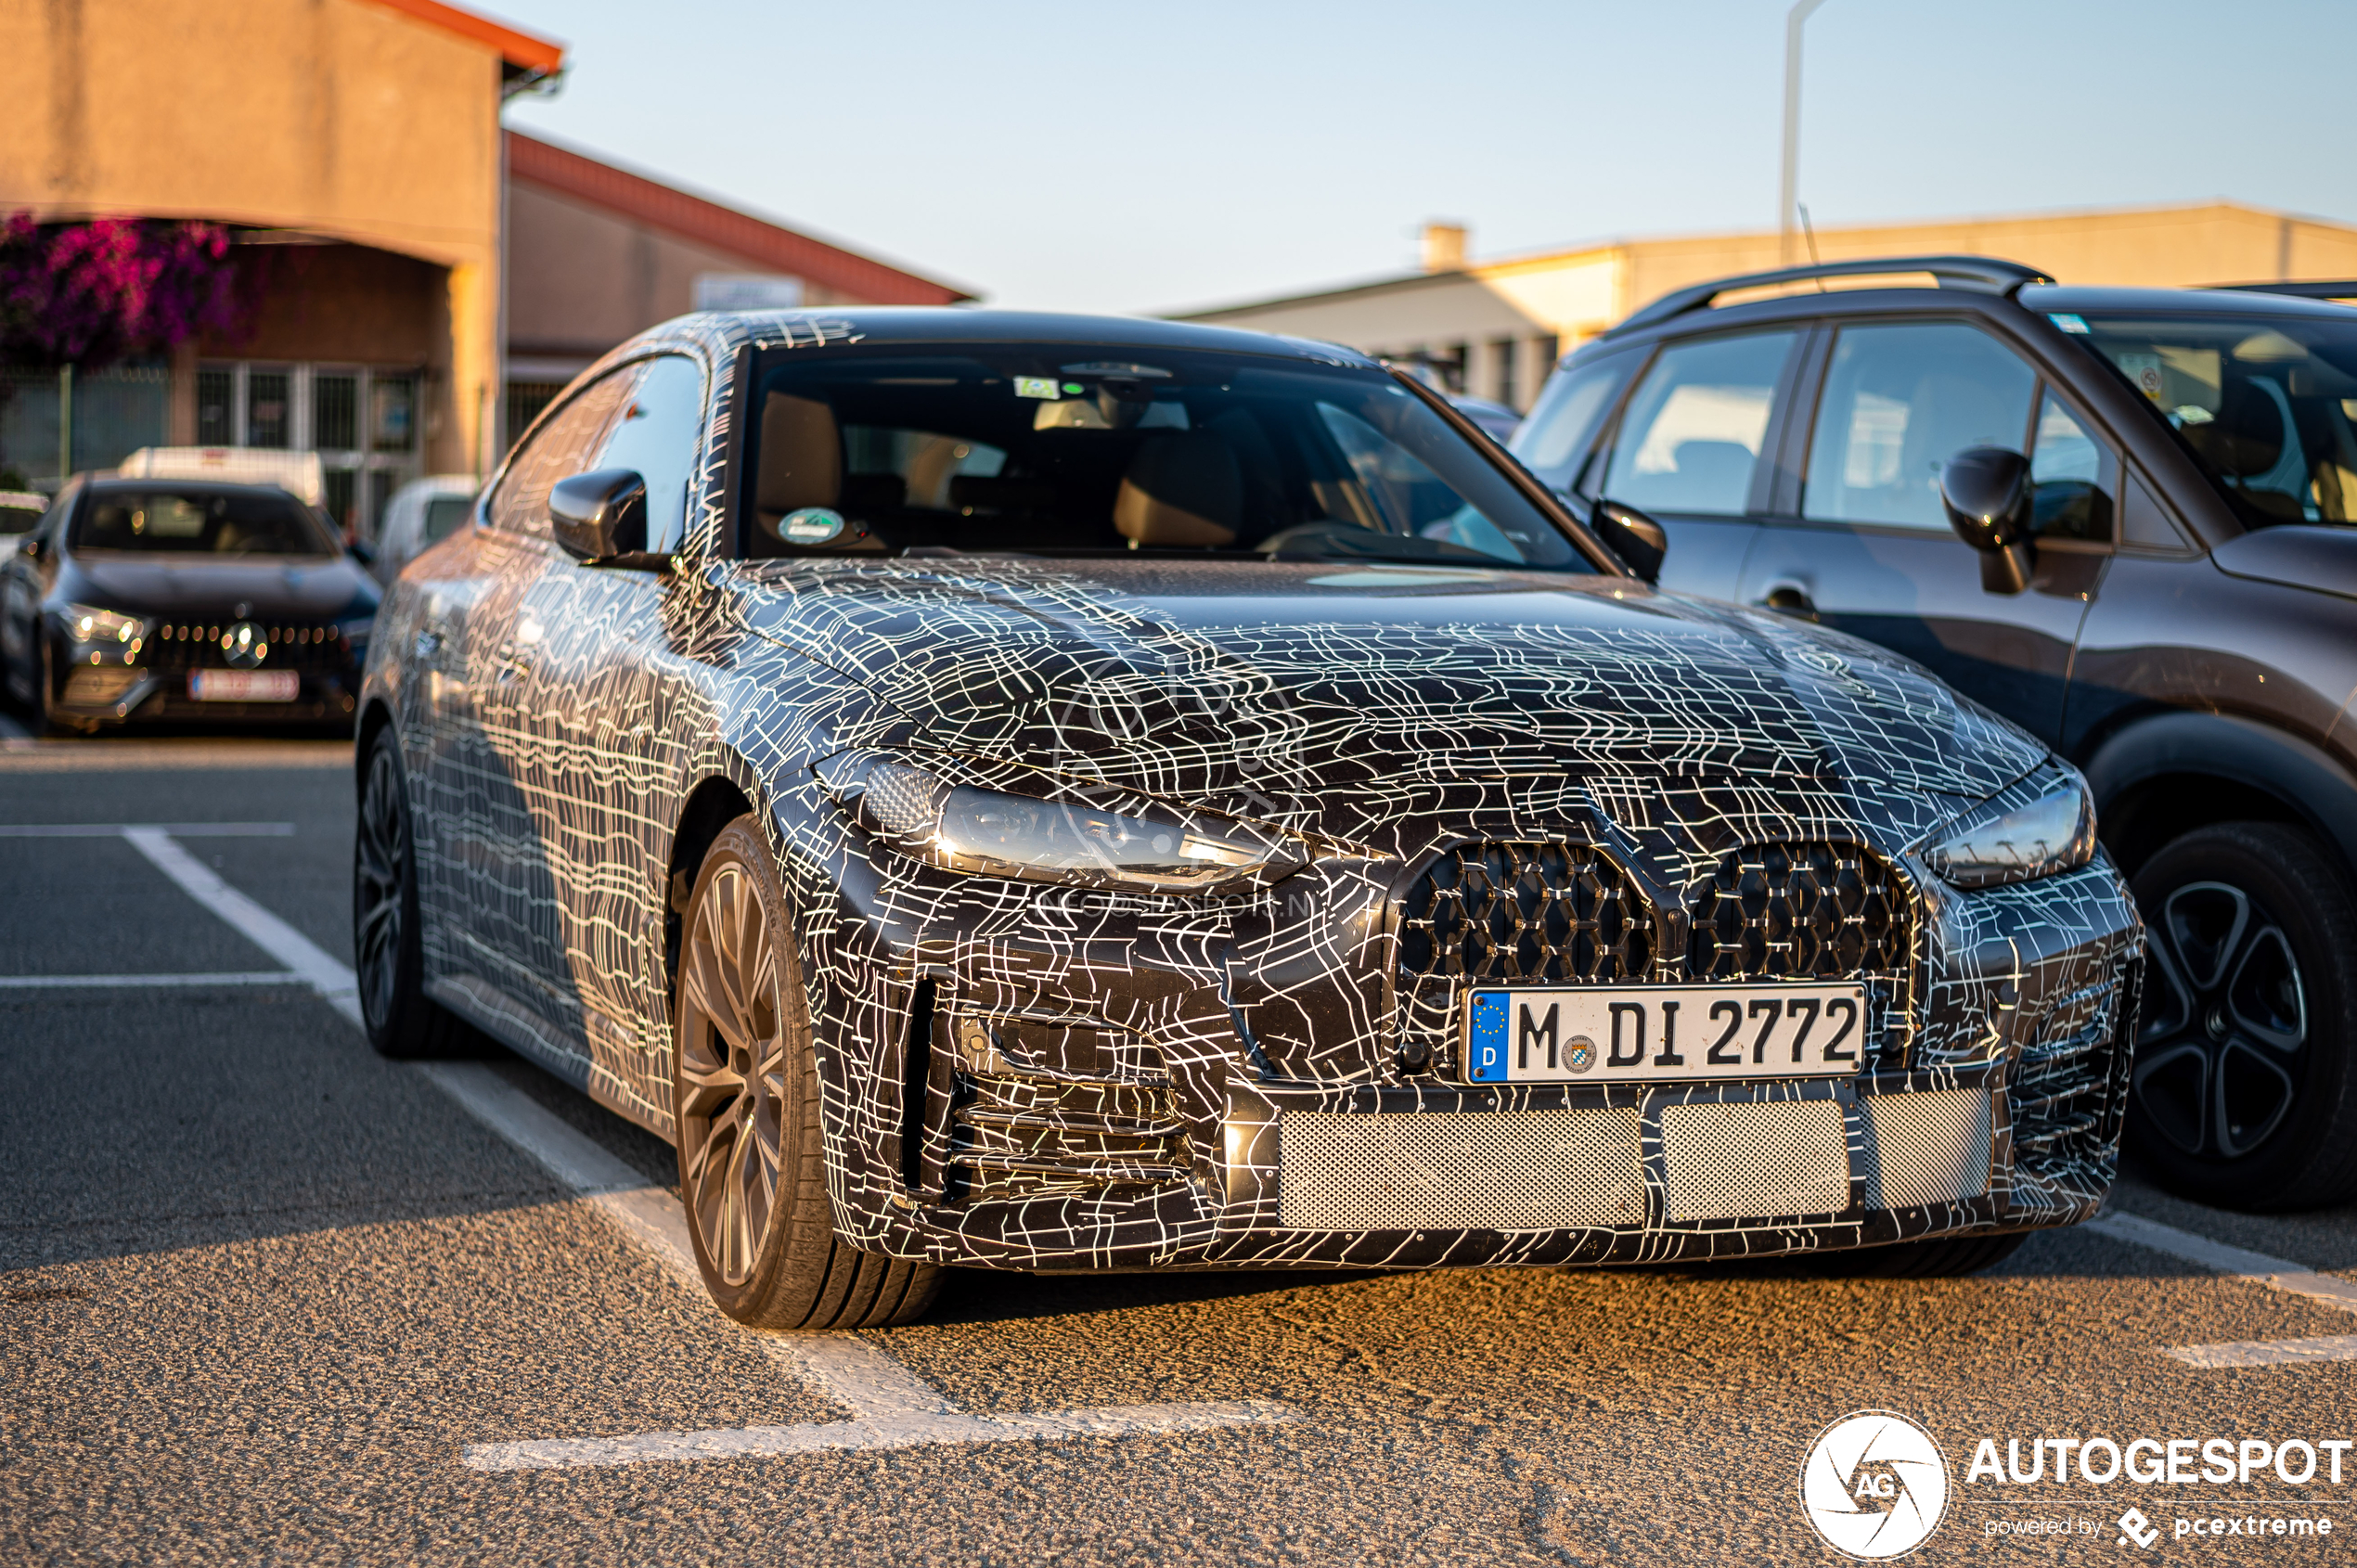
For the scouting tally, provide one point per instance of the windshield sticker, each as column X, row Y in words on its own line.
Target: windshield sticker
column 2067, row 322
column 2143, row 369
column 812, row 525
column 1036, row 386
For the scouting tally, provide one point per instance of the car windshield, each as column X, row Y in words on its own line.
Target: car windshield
column 2269, row 404
column 256, row 521
column 1070, row 449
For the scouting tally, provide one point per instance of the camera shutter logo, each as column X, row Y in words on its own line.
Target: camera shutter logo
column 1875, row 1484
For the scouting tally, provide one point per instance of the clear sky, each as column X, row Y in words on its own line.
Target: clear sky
column 1115, row 156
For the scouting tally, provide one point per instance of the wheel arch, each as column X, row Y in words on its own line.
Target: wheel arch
column 375, row 717
column 2168, row 774
column 709, row 805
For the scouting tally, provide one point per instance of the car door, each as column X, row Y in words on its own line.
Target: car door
column 588, row 693
column 1690, row 450
column 1868, row 548
column 487, row 787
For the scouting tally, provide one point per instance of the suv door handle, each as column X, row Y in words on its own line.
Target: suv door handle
column 1790, row 598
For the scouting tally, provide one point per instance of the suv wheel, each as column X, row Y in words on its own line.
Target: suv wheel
column 2243, row 1093
column 753, row 1165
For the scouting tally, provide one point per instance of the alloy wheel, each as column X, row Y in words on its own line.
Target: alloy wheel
column 2221, row 1048
column 380, row 865
column 732, row 1073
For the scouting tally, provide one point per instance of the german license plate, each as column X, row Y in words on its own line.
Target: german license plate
column 1656, row 1034
column 244, row 686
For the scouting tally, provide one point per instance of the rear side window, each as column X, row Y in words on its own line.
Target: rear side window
column 1696, row 425
column 1900, row 400
column 1555, row 441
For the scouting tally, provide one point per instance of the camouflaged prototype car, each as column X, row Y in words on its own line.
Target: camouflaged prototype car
column 1051, row 793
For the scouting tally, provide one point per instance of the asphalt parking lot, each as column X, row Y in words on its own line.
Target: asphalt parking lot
column 266, row 1298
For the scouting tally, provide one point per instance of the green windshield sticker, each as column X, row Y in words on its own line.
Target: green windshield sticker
column 2069, row 323
column 1036, row 386
column 1073, row 389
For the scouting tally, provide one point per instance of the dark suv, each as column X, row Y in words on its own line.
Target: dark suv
column 2122, row 519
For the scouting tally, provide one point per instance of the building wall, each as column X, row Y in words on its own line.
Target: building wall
column 1561, row 300
column 584, row 279
column 342, row 118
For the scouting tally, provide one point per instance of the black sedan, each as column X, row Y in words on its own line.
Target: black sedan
column 146, row 600
column 1053, row 793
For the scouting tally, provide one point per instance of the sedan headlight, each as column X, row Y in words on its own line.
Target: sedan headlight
column 1094, row 838
column 2038, row 828
column 87, row 622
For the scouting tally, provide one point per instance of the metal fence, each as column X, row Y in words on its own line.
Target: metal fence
column 111, row 414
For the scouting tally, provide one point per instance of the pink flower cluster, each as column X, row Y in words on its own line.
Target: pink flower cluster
column 90, row 293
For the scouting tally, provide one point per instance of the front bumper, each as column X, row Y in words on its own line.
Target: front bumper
column 1029, row 1089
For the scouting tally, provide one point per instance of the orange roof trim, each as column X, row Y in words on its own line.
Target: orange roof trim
column 521, row 50
column 766, row 245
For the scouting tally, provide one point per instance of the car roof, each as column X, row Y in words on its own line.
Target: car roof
column 929, row 325
column 2177, row 301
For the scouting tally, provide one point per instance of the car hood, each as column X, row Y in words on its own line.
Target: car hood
column 1337, row 698
column 290, row 588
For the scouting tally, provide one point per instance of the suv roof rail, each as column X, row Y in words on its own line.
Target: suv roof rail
column 1984, row 275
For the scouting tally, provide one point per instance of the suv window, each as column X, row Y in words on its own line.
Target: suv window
column 2073, row 475
column 1553, row 442
column 1900, row 399
column 659, row 434
column 559, row 449
column 1696, row 425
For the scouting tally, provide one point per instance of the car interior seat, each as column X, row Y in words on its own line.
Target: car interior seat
column 1181, row 491
column 2245, row 442
column 801, row 464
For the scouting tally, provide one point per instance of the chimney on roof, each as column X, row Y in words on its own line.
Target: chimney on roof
column 1444, row 247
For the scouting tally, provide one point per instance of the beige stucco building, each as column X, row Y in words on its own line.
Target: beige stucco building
column 1495, row 326
column 401, row 245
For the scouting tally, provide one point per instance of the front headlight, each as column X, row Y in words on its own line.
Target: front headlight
column 87, row 622
column 2041, row 826
column 1093, row 836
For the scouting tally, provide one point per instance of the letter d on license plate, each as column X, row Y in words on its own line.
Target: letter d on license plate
column 1661, row 1034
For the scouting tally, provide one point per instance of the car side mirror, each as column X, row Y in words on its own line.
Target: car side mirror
column 601, row 518
column 1988, row 494
column 1635, row 537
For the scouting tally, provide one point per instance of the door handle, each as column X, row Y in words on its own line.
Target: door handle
column 1790, row 598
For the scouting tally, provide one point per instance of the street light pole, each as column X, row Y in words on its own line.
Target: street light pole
column 1788, row 192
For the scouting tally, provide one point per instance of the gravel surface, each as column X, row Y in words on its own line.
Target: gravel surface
column 260, row 1290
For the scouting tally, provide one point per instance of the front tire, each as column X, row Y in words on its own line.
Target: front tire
column 2244, row 1093
column 745, row 1098
column 401, row 1020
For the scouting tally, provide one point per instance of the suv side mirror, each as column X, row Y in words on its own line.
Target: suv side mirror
column 1986, row 491
column 601, row 518
column 1635, row 537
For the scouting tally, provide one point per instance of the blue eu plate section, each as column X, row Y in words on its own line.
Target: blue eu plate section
column 1485, row 1040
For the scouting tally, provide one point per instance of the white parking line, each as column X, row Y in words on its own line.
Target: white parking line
column 891, row 1407
column 2268, row 1353
column 2257, row 1269
column 84, row 982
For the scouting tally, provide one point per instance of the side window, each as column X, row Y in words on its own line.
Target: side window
column 559, row 449
column 1554, row 442
column 660, row 432
column 1696, row 424
column 1900, row 400
column 2073, row 476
